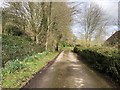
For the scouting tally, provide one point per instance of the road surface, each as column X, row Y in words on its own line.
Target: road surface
column 69, row 72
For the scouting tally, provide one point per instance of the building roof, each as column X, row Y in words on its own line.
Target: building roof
column 114, row 40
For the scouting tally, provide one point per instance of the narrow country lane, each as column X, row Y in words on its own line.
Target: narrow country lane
column 68, row 72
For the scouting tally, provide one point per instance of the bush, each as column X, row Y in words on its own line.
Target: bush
column 16, row 65
column 103, row 59
column 16, row 47
column 12, row 66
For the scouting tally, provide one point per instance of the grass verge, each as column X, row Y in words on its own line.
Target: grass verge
column 17, row 73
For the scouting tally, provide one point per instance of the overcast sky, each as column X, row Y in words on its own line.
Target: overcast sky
column 110, row 7
column 0, row 3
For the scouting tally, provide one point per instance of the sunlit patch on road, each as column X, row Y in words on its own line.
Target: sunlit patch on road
column 79, row 82
column 75, row 68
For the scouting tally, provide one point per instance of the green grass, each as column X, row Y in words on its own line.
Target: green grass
column 67, row 48
column 17, row 77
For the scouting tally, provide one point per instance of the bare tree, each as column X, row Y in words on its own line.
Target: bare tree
column 93, row 22
column 41, row 21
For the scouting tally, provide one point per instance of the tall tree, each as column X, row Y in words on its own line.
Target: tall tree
column 93, row 22
column 40, row 21
column 48, row 24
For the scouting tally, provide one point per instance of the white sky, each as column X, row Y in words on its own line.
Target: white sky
column 110, row 7
column 0, row 3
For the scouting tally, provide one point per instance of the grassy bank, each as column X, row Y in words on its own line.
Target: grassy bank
column 16, row 73
column 17, row 47
column 103, row 59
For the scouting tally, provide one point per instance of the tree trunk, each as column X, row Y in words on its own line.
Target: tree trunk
column 36, row 39
column 56, row 49
column 86, row 39
column 48, row 25
column 46, row 44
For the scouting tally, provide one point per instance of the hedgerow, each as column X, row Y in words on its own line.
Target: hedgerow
column 103, row 59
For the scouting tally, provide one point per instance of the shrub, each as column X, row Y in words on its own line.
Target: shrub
column 16, row 65
column 16, row 47
column 12, row 66
column 103, row 59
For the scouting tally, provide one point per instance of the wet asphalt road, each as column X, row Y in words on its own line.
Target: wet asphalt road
column 69, row 72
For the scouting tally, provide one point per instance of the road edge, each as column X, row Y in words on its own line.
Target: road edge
column 44, row 68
